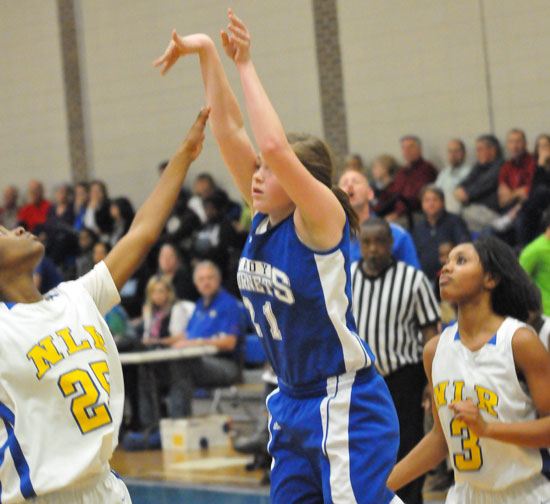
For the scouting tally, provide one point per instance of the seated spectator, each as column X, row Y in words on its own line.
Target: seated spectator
column 9, row 208
column 384, row 170
column 217, row 240
column 46, row 276
column 529, row 220
column 535, row 260
column 514, row 183
column 61, row 212
column 85, row 259
column 454, row 173
column 217, row 320
column 478, row 191
column 516, row 175
column 81, row 196
column 408, row 182
column 356, row 186
column 97, row 216
column 122, row 213
column 203, row 187
column 171, row 265
column 437, row 226
column 35, row 211
column 163, row 322
column 354, row 162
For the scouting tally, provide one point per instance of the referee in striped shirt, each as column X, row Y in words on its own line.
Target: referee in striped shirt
column 396, row 313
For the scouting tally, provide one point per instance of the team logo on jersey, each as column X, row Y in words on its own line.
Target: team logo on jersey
column 262, row 277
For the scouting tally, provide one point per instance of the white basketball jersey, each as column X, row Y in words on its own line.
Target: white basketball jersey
column 488, row 377
column 61, row 388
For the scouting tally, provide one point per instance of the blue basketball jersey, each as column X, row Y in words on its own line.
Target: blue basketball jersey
column 300, row 304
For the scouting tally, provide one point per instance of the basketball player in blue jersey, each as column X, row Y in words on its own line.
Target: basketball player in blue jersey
column 61, row 388
column 489, row 374
column 333, row 427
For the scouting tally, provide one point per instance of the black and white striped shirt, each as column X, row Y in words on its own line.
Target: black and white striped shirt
column 390, row 310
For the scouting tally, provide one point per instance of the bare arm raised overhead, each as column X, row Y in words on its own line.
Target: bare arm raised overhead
column 130, row 251
column 320, row 217
column 226, row 120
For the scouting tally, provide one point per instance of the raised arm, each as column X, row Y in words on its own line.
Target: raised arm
column 226, row 120
column 132, row 248
column 320, row 217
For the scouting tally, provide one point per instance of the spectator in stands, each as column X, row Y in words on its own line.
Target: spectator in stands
column 81, row 196
column 437, row 226
column 61, row 212
column 529, row 221
column 217, row 240
column 163, row 322
column 537, row 320
column 396, row 336
column 455, row 172
column 217, row 320
column 356, row 186
column 514, row 181
column 384, row 170
column 354, row 162
column 535, row 260
column 9, row 208
column 45, row 276
column 85, row 260
column 122, row 213
column 203, row 187
column 171, row 265
column 516, row 175
column 35, row 211
column 478, row 191
column 408, row 182
column 98, row 210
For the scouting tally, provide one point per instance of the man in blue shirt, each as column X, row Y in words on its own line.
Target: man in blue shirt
column 217, row 320
column 356, row 186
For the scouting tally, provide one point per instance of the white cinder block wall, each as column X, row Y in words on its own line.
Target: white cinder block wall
column 409, row 67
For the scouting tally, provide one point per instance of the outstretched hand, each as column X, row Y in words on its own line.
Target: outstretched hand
column 192, row 145
column 236, row 45
column 180, row 46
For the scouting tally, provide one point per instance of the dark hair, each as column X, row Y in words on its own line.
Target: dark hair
column 510, row 297
column 372, row 222
column 536, row 149
column 546, row 219
column 126, row 210
column 103, row 186
column 315, row 155
column 491, row 141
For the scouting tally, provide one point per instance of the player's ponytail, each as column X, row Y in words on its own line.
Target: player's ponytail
column 315, row 156
column 510, row 298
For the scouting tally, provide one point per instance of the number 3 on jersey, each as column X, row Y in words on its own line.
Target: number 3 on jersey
column 270, row 317
column 88, row 413
column 470, row 459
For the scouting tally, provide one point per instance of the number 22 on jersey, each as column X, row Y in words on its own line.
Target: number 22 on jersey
column 87, row 411
column 270, row 317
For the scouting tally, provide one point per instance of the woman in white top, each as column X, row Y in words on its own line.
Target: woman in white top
column 61, row 389
column 489, row 374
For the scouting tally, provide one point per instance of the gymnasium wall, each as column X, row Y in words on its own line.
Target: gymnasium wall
column 437, row 68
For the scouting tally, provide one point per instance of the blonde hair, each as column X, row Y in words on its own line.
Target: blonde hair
column 315, row 155
column 153, row 281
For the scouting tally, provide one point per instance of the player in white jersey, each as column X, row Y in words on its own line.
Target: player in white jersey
column 61, row 388
column 489, row 374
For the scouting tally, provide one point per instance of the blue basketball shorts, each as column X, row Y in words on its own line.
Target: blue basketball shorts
column 338, row 447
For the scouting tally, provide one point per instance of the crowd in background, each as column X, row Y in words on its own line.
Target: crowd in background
column 506, row 192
